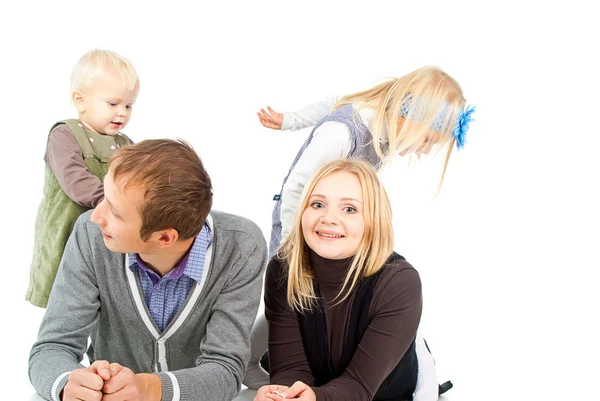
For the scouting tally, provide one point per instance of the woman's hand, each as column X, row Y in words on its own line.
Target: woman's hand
column 298, row 391
column 268, row 392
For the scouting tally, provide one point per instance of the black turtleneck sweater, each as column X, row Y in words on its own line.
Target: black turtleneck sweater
column 395, row 312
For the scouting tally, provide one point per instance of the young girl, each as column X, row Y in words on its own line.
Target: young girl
column 406, row 116
column 342, row 307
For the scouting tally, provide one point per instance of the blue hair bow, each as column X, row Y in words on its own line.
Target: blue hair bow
column 462, row 126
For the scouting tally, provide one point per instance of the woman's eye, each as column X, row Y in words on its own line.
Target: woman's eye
column 317, row 205
column 349, row 209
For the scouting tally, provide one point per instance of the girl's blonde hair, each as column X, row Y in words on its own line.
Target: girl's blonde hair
column 431, row 101
column 375, row 247
column 96, row 62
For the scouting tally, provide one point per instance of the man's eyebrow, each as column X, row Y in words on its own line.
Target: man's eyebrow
column 114, row 209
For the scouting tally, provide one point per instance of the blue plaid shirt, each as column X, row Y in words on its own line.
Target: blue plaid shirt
column 166, row 295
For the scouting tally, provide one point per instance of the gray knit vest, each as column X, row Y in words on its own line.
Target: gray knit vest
column 361, row 147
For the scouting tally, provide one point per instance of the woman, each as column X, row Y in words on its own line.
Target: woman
column 342, row 308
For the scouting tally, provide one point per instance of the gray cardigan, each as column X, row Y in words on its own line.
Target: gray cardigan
column 201, row 355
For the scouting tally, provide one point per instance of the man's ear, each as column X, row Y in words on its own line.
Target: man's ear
column 78, row 98
column 167, row 237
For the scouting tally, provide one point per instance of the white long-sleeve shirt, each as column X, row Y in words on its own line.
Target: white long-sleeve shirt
column 307, row 116
column 330, row 141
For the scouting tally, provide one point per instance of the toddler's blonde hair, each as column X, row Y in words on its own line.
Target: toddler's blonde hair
column 96, row 62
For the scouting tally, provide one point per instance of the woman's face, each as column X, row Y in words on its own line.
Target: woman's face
column 333, row 223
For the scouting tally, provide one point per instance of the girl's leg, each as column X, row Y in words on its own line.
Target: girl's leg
column 427, row 383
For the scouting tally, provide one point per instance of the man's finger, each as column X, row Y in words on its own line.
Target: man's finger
column 82, row 378
column 101, row 368
column 116, row 382
column 115, row 368
column 84, row 393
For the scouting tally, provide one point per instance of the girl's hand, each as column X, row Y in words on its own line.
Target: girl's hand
column 270, row 119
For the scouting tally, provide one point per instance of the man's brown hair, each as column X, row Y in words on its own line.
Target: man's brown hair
column 177, row 189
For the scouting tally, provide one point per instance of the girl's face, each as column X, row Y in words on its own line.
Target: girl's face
column 431, row 139
column 333, row 223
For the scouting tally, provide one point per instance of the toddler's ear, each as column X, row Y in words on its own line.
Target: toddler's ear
column 77, row 98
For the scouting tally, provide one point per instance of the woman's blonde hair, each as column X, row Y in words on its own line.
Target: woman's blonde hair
column 427, row 102
column 96, row 62
column 375, row 247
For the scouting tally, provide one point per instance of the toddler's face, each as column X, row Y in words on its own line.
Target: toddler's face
column 106, row 104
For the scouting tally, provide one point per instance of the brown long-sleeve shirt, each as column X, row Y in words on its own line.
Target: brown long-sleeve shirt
column 65, row 159
column 395, row 312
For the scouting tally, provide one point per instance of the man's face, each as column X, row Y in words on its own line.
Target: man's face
column 119, row 218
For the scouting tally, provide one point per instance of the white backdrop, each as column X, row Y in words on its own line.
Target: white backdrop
column 506, row 251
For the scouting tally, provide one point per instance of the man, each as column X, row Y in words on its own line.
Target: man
column 167, row 290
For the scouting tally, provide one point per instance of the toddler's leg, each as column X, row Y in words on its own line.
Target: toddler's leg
column 427, row 383
column 256, row 376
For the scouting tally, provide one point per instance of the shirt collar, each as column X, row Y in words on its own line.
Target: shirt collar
column 194, row 272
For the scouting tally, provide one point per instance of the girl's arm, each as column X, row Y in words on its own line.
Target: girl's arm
column 293, row 121
column 308, row 116
column 330, row 141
